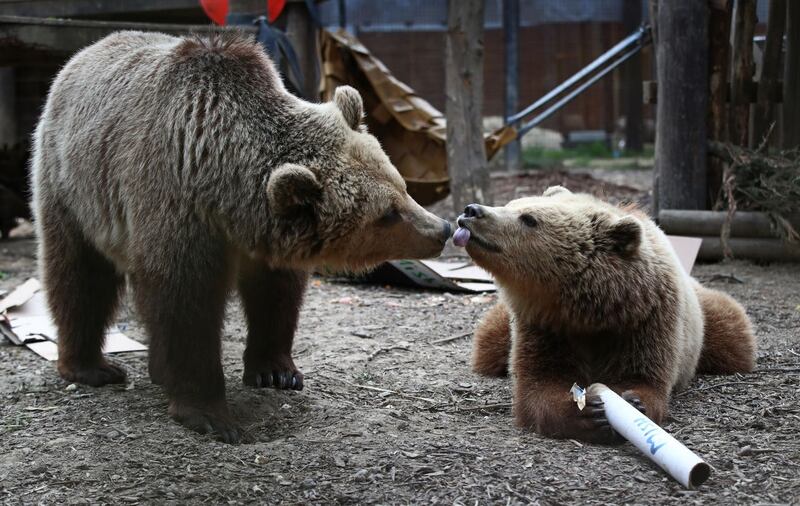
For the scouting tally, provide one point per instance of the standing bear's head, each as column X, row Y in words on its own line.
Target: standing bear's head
column 345, row 205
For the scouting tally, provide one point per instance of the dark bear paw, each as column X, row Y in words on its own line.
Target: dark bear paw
column 280, row 374
column 104, row 373
column 207, row 421
column 595, row 421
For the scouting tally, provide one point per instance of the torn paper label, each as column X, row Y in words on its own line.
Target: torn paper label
column 578, row 395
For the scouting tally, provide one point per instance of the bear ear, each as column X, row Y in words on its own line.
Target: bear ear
column 555, row 190
column 291, row 186
column 625, row 236
column 349, row 102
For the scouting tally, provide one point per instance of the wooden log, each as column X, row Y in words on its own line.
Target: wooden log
column 744, row 22
column 682, row 61
column 765, row 250
column 719, row 35
column 466, row 157
column 745, row 224
column 791, row 77
column 764, row 111
column 631, row 88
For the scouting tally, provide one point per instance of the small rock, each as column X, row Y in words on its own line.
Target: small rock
column 308, row 484
column 260, row 459
column 257, row 489
column 71, row 387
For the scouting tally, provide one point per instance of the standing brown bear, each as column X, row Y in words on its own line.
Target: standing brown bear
column 184, row 165
column 592, row 292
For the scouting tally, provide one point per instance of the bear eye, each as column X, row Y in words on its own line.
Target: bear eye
column 390, row 217
column 528, row 220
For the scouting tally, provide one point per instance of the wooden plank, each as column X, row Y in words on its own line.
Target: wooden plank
column 682, row 72
column 791, row 77
column 68, row 35
column 632, row 81
column 774, row 92
column 744, row 22
column 67, row 8
column 719, row 35
column 466, row 157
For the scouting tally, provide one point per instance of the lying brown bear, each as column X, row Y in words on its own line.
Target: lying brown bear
column 185, row 165
column 591, row 293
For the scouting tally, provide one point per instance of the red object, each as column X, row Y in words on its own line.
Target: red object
column 217, row 10
column 274, row 9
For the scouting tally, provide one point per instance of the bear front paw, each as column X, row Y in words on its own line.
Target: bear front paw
column 282, row 375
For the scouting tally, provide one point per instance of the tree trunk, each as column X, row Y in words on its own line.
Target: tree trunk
column 718, row 52
column 466, row 157
column 744, row 14
column 791, row 77
column 682, row 58
column 764, row 116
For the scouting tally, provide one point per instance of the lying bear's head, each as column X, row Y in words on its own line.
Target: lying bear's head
column 549, row 239
column 349, row 207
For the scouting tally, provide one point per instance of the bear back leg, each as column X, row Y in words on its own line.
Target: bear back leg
column 83, row 289
column 492, row 342
column 272, row 299
column 729, row 345
column 180, row 289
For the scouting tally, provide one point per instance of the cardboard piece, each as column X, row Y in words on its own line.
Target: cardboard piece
column 467, row 277
column 26, row 321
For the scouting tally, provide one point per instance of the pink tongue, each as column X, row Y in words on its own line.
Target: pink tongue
column 461, row 237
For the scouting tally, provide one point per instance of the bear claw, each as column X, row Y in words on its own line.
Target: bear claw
column 283, row 380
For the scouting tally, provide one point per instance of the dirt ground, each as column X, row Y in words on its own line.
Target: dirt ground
column 391, row 412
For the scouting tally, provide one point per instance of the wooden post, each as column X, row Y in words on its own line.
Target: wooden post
column 632, row 81
column 303, row 35
column 466, row 156
column 744, row 23
column 8, row 115
column 511, row 45
column 791, row 77
column 682, row 56
column 718, row 52
column 764, row 115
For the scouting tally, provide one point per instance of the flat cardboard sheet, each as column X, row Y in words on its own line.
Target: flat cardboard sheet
column 26, row 321
column 467, row 277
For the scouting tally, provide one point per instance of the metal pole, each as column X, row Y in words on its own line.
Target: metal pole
column 608, row 55
column 342, row 14
column 511, row 44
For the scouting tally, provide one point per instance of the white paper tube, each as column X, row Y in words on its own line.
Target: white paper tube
column 663, row 449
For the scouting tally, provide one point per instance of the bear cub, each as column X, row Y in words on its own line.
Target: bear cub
column 591, row 292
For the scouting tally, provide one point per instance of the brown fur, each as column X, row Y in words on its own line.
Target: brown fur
column 185, row 164
column 492, row 343
column 729, row 345
column 592, row 294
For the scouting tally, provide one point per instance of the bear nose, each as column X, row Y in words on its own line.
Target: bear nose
column 473, row 211
column 448, row 230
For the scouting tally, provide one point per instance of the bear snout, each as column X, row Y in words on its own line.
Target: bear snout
column 447, row 229
column 474, row 211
